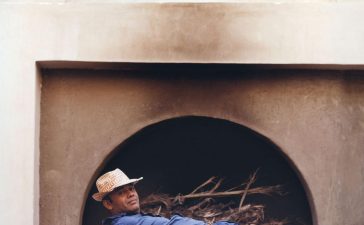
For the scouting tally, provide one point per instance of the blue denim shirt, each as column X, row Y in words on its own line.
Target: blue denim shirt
column 146, row 219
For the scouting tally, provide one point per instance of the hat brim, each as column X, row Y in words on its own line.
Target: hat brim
column 100, row 195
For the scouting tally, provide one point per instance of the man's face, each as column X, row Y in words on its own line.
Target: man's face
column 123, row 200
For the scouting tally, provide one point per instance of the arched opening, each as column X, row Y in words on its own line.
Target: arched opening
column 176, row 155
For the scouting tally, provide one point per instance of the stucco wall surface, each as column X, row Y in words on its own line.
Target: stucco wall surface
column 176, row 1
column 52, row 30
column 172, row 1
column 321, row 33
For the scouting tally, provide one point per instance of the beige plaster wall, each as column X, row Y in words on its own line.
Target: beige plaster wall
column 328, row 33
column 177, row 1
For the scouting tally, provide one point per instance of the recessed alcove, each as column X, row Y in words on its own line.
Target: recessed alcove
column 279, row 119
column 176, row 155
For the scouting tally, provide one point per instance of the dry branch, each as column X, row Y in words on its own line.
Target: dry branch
column 203, row 205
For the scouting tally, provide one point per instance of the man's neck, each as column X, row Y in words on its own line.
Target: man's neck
column 126, row 213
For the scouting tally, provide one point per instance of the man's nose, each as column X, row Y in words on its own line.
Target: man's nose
column 130, row 193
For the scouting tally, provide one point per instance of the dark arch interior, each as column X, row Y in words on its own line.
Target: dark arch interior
column 176, row 155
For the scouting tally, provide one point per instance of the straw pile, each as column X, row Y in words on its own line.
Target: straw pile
column 210, row 205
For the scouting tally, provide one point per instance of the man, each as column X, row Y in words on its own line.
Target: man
column 119, row 197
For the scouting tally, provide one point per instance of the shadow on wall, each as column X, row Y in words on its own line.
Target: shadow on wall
column 176, row 155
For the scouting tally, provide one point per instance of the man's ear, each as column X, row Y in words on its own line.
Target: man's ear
column 107, row 204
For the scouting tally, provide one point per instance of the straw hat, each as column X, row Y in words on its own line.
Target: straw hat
column 111, row 180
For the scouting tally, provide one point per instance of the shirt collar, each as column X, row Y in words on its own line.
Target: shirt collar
column 108, row 220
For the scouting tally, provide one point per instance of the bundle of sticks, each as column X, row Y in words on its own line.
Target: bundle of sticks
column 210, row 204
